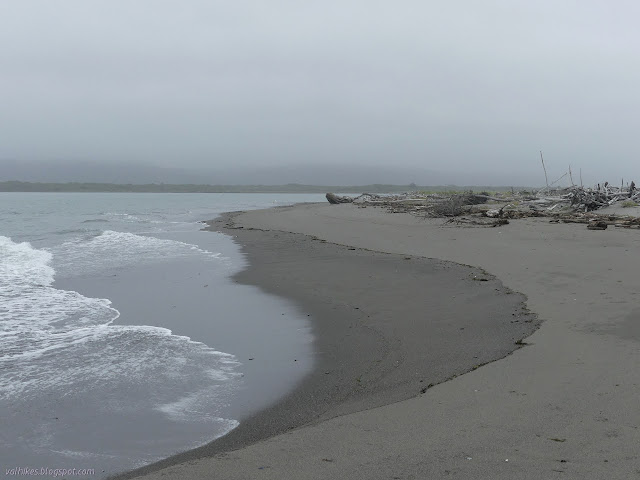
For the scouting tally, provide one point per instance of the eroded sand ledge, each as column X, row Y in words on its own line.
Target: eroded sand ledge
column 566, row 403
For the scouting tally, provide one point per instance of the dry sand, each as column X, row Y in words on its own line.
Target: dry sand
column 565, row 406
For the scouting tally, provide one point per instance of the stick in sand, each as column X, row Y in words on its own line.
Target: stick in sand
column 570, row 176
column 545, row 170
column 565, row 174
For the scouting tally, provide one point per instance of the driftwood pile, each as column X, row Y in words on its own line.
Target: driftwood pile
column 567, row 205
column 594, row 198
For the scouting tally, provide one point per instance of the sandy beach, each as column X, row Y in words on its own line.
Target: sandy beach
column 563, row 406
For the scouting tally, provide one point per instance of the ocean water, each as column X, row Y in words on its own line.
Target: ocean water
column 122, row 338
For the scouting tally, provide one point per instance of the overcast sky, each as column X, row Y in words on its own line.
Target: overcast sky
column 447, row 85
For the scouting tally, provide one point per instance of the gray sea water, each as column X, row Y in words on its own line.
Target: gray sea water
column 123, row 339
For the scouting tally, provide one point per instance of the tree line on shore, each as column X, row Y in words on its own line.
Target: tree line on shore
column 17, row 186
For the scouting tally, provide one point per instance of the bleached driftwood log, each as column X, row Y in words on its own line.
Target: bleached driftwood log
column 336, row 199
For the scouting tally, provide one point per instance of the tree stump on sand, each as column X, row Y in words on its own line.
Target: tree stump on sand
column 335, row 199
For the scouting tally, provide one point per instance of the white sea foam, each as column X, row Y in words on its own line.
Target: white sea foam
column 195, row 407
column 82, row 455
column 22, row 264
column 35, row 317
column 112, row 249
column 96, row 220
column 60, row 344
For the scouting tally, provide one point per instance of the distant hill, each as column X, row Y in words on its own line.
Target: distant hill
column 13, row 186
column 330, row 174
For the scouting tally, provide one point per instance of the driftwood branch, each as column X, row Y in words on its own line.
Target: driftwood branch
column 546, row 179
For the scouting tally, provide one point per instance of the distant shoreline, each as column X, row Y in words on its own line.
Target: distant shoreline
column 79, row 187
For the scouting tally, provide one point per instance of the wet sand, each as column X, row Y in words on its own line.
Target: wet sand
column 388, row 327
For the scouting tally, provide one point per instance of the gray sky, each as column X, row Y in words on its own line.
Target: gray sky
column 453, row 86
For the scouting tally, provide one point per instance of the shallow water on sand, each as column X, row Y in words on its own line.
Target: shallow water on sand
column 122, row 338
